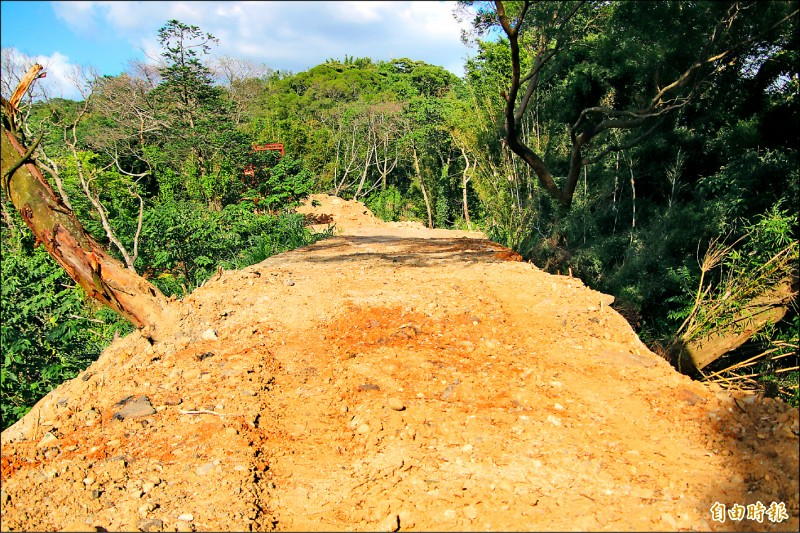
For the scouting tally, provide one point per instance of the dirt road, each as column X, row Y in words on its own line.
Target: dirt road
column 396, row 378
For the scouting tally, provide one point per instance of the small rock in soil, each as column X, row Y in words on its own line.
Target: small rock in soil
column 172, row 400
column 685, row 395
column 47, row 440
column 395, row 404
column 201, row 471
column 209, row 335
column 390, row 523
column 449, row 391
column 135, row 409
column 153, row 524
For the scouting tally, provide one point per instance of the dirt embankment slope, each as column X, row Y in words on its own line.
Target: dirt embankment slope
column 395, row 378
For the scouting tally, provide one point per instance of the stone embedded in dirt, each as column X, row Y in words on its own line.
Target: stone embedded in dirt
column 395, row 404
column 152, row 524
column 471, row 512
column 449, row 390
column 685, row 395
column 205, row 355
column 186, row 517
column 202, row 470
column 47, row 440
column 390, row 523
column 208, row 335
column 171, row 399
column 288, row 282
column 137, row 408
column 369, row 386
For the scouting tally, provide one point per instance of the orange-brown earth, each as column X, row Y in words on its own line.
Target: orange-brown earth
column 396, row 378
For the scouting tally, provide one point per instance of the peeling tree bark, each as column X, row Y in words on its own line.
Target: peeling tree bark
column 104, row 278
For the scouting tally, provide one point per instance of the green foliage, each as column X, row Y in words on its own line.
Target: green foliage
column 283, row 233
column 752, row 267
column 442, row 213
column 183, row 243
column 203, row 144
column 115, row 191
column 285, row 184
column 387, row 204
column 47, row 330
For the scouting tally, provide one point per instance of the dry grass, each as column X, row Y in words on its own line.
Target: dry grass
column 722, row 306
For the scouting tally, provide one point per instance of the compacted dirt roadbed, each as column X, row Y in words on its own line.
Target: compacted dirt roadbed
column 396, row 378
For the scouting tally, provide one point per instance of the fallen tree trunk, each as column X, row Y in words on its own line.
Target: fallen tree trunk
column 769, row 308
column 104, row 278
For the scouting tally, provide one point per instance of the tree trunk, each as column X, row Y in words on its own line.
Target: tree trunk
column 768, row 308
column 366, row 169
column 422, row 187
column 104, row 278
column 464, row 181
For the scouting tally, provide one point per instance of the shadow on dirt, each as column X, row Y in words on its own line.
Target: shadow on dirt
column 407, row 251
column 758, row 438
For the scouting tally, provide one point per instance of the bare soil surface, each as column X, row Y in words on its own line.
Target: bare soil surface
column 396, row 378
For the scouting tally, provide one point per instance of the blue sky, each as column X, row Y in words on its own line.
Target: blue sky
column 281, row 35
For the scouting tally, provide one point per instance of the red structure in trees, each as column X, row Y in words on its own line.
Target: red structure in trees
column 269, row 146
column 249, row 170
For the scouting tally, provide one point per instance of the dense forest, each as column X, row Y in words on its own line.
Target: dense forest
column 648, row 148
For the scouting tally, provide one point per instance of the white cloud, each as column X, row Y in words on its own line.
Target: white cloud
column 79, row 16
column 128, row 16
column 360, row 12
column 294, row 35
